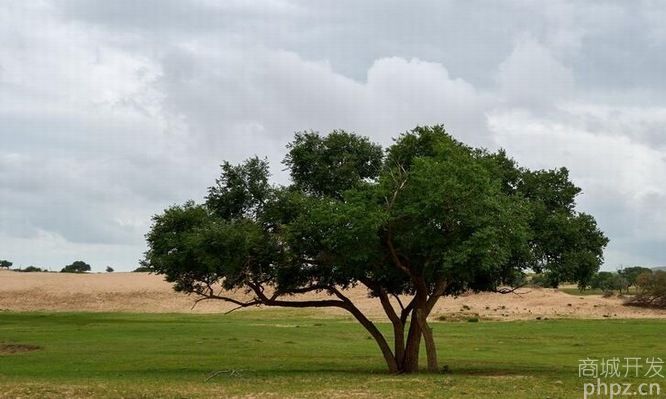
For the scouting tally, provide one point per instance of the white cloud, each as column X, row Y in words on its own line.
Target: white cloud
column 532, row 76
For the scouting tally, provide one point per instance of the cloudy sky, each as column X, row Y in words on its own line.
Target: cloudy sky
column 112, row 110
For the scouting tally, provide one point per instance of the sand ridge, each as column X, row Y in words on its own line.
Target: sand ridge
column 143, row 292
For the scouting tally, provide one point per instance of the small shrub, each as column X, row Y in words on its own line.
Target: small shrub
column 473, row 320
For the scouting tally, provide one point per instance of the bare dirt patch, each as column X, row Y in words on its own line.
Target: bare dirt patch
column 10, row 349
column 142, row 292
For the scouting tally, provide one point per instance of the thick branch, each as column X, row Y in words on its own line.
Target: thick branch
column 440, row 287
column 371, row 328
column 407, row 310
column 272, row 301
column 394, row 254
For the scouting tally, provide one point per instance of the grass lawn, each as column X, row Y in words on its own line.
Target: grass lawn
column 276, row 353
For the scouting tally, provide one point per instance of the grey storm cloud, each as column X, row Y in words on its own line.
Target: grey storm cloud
column 112, row 110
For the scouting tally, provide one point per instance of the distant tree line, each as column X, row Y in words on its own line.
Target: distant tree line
column 75, row 267
column 5, row 264
column 649, row 285
column 619, row 281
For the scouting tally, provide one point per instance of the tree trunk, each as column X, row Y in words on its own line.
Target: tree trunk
column 398, row 327
column 399, row 342
column 431, row 349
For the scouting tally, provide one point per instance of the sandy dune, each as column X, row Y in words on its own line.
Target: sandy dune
column 140, row 292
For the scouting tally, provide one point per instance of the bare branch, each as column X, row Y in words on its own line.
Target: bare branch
column 232, row 372
column 509, row 290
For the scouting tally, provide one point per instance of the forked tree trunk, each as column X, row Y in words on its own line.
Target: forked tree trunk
column 419, row 327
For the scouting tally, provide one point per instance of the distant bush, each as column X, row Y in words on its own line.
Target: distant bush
column 630, row 274
column 142, row 269
column 76, row 267
column 651, row 290
column 109, row 269
column 5, row 264
column 609, row 282
column 31, row 269
column 543, row 280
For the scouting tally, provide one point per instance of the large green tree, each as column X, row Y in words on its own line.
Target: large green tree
column 427, row 217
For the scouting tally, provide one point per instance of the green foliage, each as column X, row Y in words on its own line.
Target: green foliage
column 566, row 245
column 330, row 165
column 109, row 269
column 76, row 267
column 241, row 189
column 5, row 264
column 142, row 269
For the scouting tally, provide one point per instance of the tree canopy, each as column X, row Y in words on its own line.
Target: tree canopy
column 427, row 217
column 5, row 264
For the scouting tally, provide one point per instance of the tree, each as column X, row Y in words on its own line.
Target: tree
column 76, row 267
column 5, row 264
column 429, row 217
column 109, row 269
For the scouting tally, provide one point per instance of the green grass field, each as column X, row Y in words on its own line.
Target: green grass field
column 294, row 354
